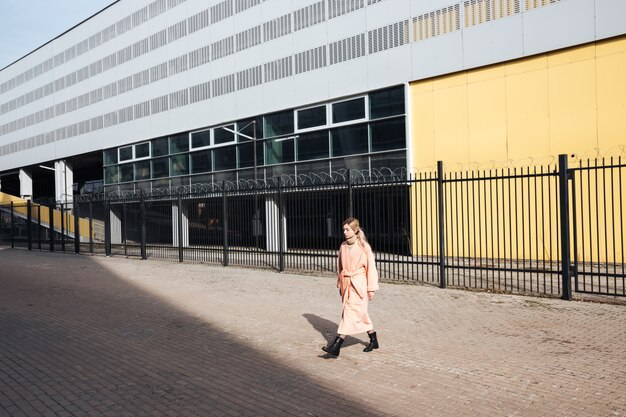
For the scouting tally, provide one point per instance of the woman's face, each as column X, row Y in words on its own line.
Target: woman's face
column 347, row 232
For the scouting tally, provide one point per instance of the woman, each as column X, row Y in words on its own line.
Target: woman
column 357, row 281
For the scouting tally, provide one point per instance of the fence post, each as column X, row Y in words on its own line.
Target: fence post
column 179, row 217
column 107, row 228
column 281, row 231
column 441, row 225
column 565, row 237
column 90, row 226
column 225, row 222
column 12, row 227
column 76, row 228
column 29, row 220
column 51, row 227
column 63, row 225
column 142, row 219
column 39, row 226
column 350, row 202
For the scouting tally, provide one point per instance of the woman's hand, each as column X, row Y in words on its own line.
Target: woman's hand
column 370, row 295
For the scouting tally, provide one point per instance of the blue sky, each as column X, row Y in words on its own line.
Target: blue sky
column 28, row 24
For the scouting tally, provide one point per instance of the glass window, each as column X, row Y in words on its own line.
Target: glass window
column 225, row 158
column 221, row 135
column 160, row 168
column 247, row 128
column 317, row 167
column 142, row 150
column 386, row 103
column 142, row 170
column 278, row 151
column 246, row 154
column 179, row 165
column 358, row 163
column 388, row 134
column 201, row 139
column 126, row 173
column 315, row 116
column 313, row 145
column 349, row 140
column 278, row 170
column 126, row 153
column 110, row 156
column 111, row 175
column 160, row 147
column 389, row 162
column 349, row 110
column 201, row 162
column 179, row 143
column 279, row 124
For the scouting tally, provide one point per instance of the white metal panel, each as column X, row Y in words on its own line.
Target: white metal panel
column 491, row 42
column 437, row 55
column 610, row 18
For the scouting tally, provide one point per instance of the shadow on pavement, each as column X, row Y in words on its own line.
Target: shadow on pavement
column 328, row 329
column 81, row 341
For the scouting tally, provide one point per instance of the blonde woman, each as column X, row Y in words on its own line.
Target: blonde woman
column 357, row 280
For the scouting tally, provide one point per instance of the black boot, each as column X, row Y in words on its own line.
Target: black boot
column 334, row 348
column 373, row 342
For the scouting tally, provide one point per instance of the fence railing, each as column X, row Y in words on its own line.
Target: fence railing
column 544, row 230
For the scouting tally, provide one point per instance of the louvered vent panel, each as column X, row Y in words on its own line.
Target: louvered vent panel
column 249, row 78
column 141, row 78
column 174, row 3
column 140, row 16
column 177, row 31
column 276, row 28
column 347, row 49
column 278, row 69
column 437, row 23
column 241, row 5
column 309, row 16
column 160, row 104
column 198, row 21
column 370, row 2
column 125, row 115
column 199, row 57
column 482, row 11
column 222, row 48
column 110, row 90
column 341, row 7
column 534, row 4
column 96, row 123
column 110, row 119
column 387, row 37
column 248, row 38
column 221, row 11
column 177, row 65
column 158, row 72
column 179, row 98
column 223, row 85
column 156, row 8
column 158, row 39
column 142, row 109
column 200, row 92
column 310, row 60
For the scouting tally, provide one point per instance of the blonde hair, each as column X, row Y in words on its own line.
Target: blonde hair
column 354, row 224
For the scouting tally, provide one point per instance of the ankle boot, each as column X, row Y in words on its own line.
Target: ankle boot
column 373, row 342
column 334, row 348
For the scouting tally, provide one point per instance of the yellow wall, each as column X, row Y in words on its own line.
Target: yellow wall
column 517, row 113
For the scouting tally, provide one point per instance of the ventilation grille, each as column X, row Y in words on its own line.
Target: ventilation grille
column 278, row 69
column 177, row 65
column 249, row 78
column 159, row 104
column 156, row 8
column 179, row 98
column 221, row 11
column 534, row 4
column 276, row 28
column 222, row 48
column 347, row 49
column 308, row 16
column 142, row 109
column 198, row 21
column 482, row 11
column 158, row 39
column 200, row 92
column 158, row 72
column 223, row 85
column 248, row 38
column 199, row 57
column 241, row 5
column 310, row 60
column 125, row 115
column 370, row 2
column 387, row 37
column 177, row 31
column 341, row 7
column 437, row 23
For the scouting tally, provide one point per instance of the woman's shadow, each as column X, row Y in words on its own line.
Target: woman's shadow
column 328, row 330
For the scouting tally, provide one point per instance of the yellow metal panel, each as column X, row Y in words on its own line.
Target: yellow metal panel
column 610, row 47
column 611, row 100
column 450, row 122
column 487, row 119
column 422, row 134
column 573, row 117
column 537, row 63
column 450, row 81
column 570, row 55
column 487, row 73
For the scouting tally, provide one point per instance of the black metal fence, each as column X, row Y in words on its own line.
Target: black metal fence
column 541, row 230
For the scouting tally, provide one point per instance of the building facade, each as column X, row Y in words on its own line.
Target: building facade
column 167, row 93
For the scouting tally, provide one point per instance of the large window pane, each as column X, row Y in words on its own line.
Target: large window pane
column 142, row 150
column 349, row 110
column 225, row 158
column 179, row 143
column 160, row 147
column 389, row 162
column 201, row 162
column 278, row 151
column 315, row 116
column 279, row 170
column 160, row 168
column 179, row 165
column 142, row 170
column 358, row 163
column 247, row 128
column 279, row 124
column 317, row 167
column 200, row 139
column 126, row 173
column 349, row 140
column 221, row 135
column 126, row 153
column 313, row 145
column 386, row 103
column 388, row 134
column 111, row 175
column 110, row 157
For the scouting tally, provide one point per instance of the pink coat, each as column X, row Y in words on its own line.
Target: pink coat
column 356, row 276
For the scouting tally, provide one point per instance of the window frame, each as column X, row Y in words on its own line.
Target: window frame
column 313, row 128
column 366, row 115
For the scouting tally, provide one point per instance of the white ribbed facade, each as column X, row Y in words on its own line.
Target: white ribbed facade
column 145, row 69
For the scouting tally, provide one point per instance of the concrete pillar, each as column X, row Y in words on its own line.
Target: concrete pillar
column 272, row 226
column 185, row 223
column 116, row 223
column 63, row 181
column 26, row 184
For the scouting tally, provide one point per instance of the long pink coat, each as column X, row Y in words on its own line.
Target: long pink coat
column 357, row 275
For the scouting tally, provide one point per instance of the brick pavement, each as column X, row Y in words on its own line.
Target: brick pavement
column 95, row 336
